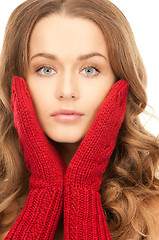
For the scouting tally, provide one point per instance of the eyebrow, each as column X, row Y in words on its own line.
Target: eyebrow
column 80, row 58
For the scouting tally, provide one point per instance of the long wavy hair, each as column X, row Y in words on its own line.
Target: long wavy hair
column 129, row 182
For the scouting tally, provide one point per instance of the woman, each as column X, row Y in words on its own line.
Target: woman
column 76, row 163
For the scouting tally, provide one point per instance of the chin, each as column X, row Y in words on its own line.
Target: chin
column 67, row 139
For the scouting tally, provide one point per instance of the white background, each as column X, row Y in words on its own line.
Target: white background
column 143, row 16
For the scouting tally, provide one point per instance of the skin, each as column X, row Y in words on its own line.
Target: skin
column 68, row 85
column 67, row 82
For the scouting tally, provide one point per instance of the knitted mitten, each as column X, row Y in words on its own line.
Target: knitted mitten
column 83, row 213
column 40, row 215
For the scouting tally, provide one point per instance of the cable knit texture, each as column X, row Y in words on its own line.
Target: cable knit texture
column 41, row 213
column 83, row 213
column 50, row 182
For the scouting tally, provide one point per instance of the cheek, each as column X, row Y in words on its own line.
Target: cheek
column 97, row 97
column 39, row 100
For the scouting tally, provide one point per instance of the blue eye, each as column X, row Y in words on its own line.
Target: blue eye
column 45, row 70
column 91, row 71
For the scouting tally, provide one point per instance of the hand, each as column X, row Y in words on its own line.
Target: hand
column 41, row 157
column 89, row 162
column 41, row 213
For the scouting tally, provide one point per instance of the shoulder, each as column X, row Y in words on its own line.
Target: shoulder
column 3, row 235
column 153, row 207
column 11, row 214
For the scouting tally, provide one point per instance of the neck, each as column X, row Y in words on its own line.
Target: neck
column 67, row 150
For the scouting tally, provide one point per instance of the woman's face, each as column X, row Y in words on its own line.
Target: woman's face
column 68, row 69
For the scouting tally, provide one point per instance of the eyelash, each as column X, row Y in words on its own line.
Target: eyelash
column 87, row 67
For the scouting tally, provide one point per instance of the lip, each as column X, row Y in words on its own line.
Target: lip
column 67, row 115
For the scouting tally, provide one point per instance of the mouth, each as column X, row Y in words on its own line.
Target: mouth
column 67, row 115
column 67, row 118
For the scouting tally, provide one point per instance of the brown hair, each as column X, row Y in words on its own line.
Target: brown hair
column 129, row 180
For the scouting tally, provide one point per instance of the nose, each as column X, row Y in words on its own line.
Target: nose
column 67, row 88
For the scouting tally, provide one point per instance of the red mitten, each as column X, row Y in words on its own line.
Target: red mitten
column 83, row 213
column 41, row 213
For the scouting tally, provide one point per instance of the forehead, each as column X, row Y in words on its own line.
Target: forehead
column 63, row 35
